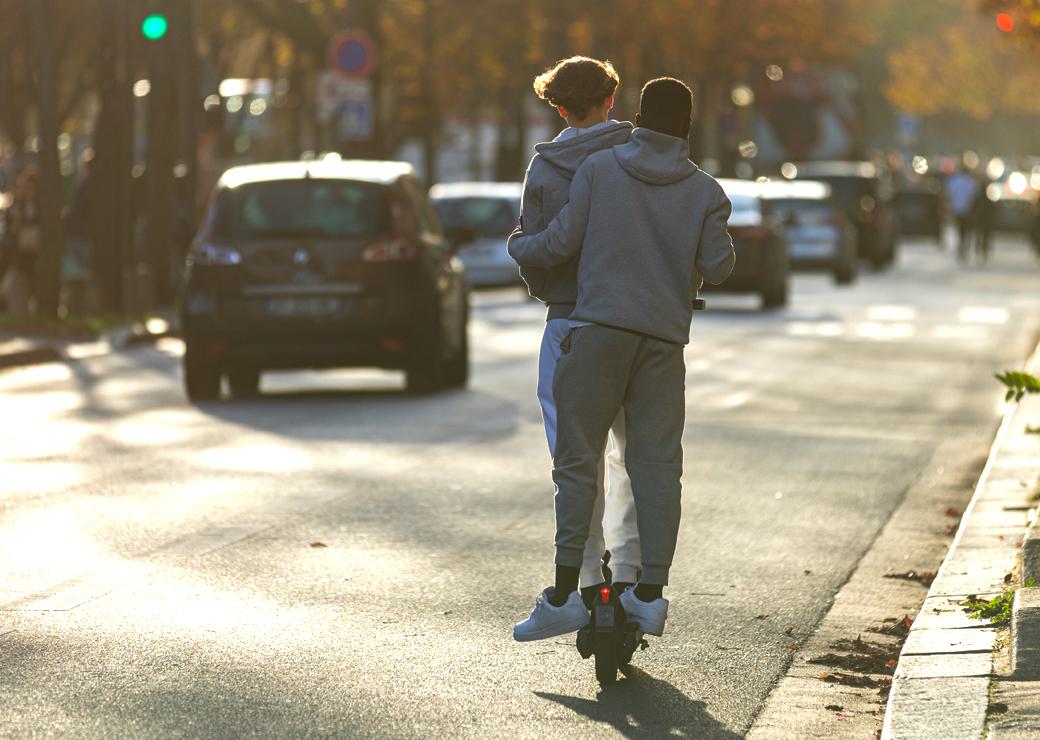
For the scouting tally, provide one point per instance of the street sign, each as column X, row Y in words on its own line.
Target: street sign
column 357, row 120
column 352, row 54
column 334, row 91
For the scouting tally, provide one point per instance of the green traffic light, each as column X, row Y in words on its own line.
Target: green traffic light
column 154, row 27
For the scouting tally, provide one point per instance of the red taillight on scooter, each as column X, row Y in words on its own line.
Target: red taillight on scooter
column 604, row 594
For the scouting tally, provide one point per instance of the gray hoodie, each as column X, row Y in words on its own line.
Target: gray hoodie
column 546, row 190
column 649, row 225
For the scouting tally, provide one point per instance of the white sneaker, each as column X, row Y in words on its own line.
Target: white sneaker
column 649, row 615
column 551, row 621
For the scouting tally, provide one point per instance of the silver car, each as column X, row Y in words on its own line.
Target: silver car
column 819, row 237
column 479, row 217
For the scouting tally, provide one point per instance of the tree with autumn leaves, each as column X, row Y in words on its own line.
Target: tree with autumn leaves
column 965, row 64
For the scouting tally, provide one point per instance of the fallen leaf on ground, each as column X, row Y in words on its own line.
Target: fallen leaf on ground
column 953, row 512
column 762, row 616
column 789, row 631
column 318, row 544
column 925, row 579
column 792, row 645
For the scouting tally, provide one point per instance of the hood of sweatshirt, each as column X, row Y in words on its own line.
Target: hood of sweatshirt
column 655, row 158
column 568, row 154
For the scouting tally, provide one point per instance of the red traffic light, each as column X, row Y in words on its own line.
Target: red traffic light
column 1005, row 22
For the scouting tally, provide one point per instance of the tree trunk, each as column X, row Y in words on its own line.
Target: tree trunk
column 47, row 277
column 111, row 235
column 431, row 111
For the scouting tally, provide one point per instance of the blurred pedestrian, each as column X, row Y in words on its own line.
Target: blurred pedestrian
column 23, row 244
column 961, row 190
column 79, row 228
column 983, row 216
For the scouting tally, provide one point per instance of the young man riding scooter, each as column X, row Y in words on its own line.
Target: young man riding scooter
column 648, row 225
column 582, row 92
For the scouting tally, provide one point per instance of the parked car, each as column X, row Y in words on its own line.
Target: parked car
column 762, row 261
column 322, row 264
column 921, row 208
column 1014, row 203
column 819, row 237
column 481, row 216
column 865, row 195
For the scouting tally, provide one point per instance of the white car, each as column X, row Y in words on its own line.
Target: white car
column 480, row 216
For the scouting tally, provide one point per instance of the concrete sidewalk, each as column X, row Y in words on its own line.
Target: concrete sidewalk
column 16, row 351
column 959, row 677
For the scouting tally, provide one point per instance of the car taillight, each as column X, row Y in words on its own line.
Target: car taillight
column 391, row 251
column 214, row 254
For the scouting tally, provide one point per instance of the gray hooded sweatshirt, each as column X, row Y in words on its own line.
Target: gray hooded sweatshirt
column 648, row 225
column 546, row 190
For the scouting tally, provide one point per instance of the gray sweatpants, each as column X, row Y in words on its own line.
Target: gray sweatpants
column 601, row 371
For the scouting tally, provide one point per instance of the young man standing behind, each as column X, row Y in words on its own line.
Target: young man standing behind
column 648, row 225
column 582, row 91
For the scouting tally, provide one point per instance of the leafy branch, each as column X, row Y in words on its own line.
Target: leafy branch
column 1018, row 384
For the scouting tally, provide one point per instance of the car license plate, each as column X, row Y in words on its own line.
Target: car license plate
column 321, row 306
column 810, row 249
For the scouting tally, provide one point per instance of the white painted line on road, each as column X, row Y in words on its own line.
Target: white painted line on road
column 983, row 315
column 891, row 313
column 77, row 591
column 301, row 503
column 884, row 332
column 733, row 400
column 210, row 539
column 815, row 329
column 960, row 332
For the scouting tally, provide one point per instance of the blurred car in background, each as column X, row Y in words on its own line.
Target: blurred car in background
column 921, row 209
column 1014, row 202
column 480, row 216
column 865, row 195
column 762, row 259
column 322, row 264
column 819, row 237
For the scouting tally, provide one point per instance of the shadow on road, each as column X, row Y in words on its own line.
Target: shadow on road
column 641, row 706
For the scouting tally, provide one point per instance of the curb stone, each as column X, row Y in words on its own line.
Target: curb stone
column 24, row 352
column 1025, row 632
column 942, row 682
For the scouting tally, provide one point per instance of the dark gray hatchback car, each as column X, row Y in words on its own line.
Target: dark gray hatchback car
column 317, row 265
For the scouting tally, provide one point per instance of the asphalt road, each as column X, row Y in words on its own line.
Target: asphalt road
column 159, row 574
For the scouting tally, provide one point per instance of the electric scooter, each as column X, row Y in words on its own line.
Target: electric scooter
column 609, row 636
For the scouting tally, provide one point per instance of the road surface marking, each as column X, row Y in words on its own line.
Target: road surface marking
column 79, row 590
column 891, row 313
column 210, row 539
column 983, row 315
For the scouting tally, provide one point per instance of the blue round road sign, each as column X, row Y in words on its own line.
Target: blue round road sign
column 352, row 54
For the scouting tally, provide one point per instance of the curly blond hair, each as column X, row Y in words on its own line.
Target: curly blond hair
column 578, row 84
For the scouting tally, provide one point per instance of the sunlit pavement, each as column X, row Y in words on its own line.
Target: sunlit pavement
column 337, row 558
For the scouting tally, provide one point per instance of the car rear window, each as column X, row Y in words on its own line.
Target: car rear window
column 850, row 191
column 491, row 218
column 803, row 211
column 319, row 209
column 747, row 210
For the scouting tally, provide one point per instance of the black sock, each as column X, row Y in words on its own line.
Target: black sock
column 648, row 592
column 622, row 586
column 566, row 582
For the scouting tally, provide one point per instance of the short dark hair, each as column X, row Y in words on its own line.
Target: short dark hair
column 579, row 84
column 666, row 105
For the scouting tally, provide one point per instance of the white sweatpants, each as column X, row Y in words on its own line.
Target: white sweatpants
column 613, row 524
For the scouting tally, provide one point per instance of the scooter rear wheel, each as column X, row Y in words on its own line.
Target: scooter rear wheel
column 606, row 658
